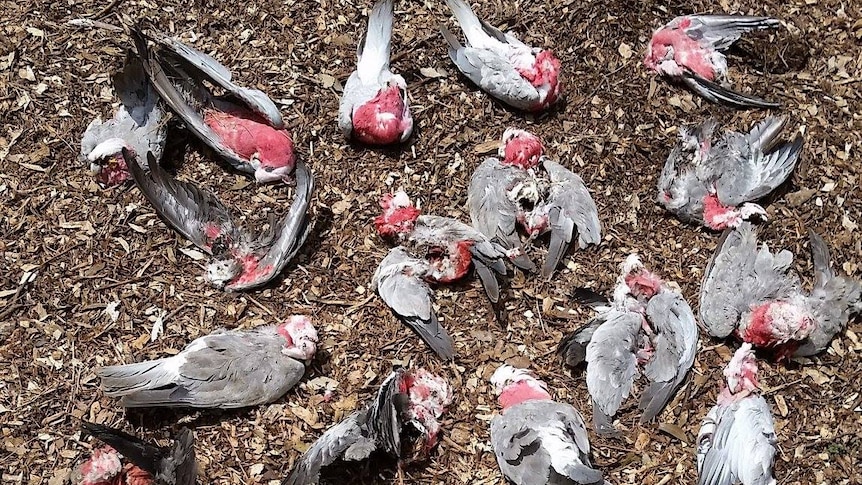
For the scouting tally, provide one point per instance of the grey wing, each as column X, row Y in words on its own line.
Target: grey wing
column 213, row 70
column 721, row 31
column 611, row 361
column 571, row 206
column 831, row 301
column 519, row 451
column 329, row 447
column 185, row 207
column 157, row 71
column 716, row 93
column 750, row 168
column 291, row 234
column 573, row 347
column 180, row 466
column 398, row 281
column 740, row 275
column 740, row 446
column 493, row 73
column 491, row 212
column 384, row 416
column 675, row 347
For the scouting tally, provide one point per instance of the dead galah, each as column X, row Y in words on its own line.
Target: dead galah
column 449, row 246
column 547, row 197
column 138, row 125
column 716, row 185
column 225, row 369
column 245, row 128
column 147, row 464
column 751, row 292
column 241, row 260
column 520, row 76
column 400, row 282
column 373, row 107
column 402, row 418
column 537, row 440
column 737, row 442
column 648, row 325
column 689, row 47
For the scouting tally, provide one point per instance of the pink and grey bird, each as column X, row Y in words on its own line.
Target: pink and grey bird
column 225, row 369
column 138, row 125
column 544, row 195
column 523, row 77
column 244, row 128
column 402, row 418
column 147, row 464
column 538, row 441
column 689, row 49
column 374, row 107
column 648, row 325
column 241, row 259
column 737, row 443
column 449, row 246
column 716, row 185
column 751, row 293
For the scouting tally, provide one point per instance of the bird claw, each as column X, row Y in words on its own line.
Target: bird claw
column 747, row 211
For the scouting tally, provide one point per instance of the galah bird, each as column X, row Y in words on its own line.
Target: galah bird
column 448, row 245
column 715, row 185
column 523, row 77
column 400, row 282
column 537, row 440
column 373, row 107
column 648, row 325
column 241, row 260
column 245, row 128
column 147, row 464
column 225, row 369
column 751, row 292
column 403, row 418
column 689, row 47
column 138, row 125
column 548, row 197
column 736, row 443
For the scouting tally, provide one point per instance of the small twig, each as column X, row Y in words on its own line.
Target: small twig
column 107, row 9
column 120, row 283
column 457, row 447
column 259, row 305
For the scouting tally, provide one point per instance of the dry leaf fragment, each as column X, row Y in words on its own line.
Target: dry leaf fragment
column 674, row 431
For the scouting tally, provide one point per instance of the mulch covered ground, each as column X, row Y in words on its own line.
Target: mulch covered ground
column 88, row 271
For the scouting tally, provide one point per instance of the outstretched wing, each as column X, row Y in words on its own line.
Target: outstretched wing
column 750, row 170
column 193, row 212
column 720, row 31
column 331, row 445
column 675, row 345
column 739, row 276
column 398, row 280
column 716, row 93
column 291, row 234
column 570, row 206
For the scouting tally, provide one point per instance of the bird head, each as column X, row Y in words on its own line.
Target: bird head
column 640, row 281
column 268, row 170
column 520, row 148
column 300, row 337
column 222, row 271
column 398, row 217
column 107, row 162
column 515, row 386
column 741, row 372
column 102, row 468
column 428, row 395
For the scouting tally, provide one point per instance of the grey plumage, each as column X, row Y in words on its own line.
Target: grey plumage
column 739, row 168
column 399, row 282
column 226, row 369
column 736, row 444
column 174, row 465
column 492, row 212
column 138, row 124
column 200, row 217
column 543, row 442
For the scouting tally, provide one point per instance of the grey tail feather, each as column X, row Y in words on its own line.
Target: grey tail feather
column 139, row 452
column 454, row 43
column 718, row 94
column 433, row 334
column 556, row 250
column 524, row 262
column 489, row 281
column 654, row 399
column 172, row 396
column 820, row 255
column 119, row 380
column 602, row 423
